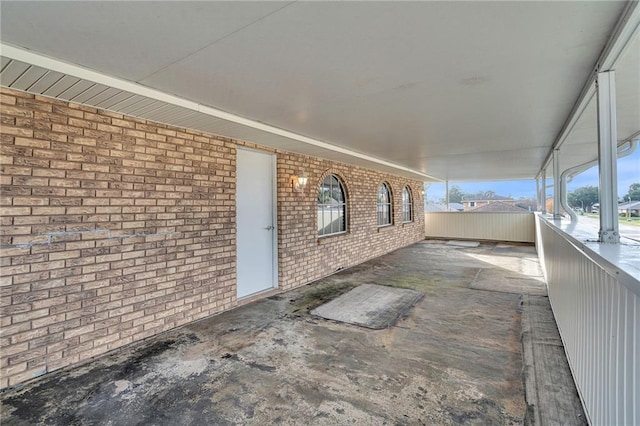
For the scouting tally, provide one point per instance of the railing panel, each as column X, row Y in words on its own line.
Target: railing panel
column 517, row 227
column 597, row 309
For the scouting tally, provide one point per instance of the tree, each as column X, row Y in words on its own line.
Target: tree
column 583, row 197
column 426, row 192
column 634, row 192
column 488, row 195
column 455, row 195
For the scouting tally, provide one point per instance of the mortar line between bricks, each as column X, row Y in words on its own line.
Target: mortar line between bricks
column 95, row 231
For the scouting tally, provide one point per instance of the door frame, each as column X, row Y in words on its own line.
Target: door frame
column 274, row 216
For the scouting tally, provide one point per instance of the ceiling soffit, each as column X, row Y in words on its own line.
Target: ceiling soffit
column 428, row 90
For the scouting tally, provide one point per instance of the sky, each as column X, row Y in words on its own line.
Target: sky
column 628, row 173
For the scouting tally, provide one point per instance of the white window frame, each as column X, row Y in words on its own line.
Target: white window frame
column 384, row 206
column 323, row 207
column 407, row 205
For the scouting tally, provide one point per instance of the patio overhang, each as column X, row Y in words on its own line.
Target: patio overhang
column 435, row 90
column 120, row 228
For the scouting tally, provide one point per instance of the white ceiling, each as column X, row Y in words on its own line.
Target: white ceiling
column 581, row 143
column 454, row 90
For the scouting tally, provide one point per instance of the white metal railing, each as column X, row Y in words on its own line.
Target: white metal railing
column 497, row 226
column 596, row 304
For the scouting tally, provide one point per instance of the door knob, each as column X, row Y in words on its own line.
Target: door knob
column 269, row 228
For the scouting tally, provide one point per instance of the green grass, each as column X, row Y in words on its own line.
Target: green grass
column 635, row 221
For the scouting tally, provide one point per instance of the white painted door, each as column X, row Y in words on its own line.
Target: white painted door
column 256, row 221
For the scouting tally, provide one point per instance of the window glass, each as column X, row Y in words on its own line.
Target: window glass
column 384, row 205
column 407, row 205
column 332, row 207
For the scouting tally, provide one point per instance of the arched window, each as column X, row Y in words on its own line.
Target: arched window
column 332, row 207
column 407, row 205
column 385, row 204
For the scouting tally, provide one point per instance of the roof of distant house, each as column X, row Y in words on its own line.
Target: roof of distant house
column 633, row 205
column 487, row 197
column 436, row 207
column 499, row 206
column 432, row 207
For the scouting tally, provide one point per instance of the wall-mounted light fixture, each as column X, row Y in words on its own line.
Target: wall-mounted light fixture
column 299, row 182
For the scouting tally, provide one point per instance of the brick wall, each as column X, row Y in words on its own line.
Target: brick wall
column 302, row 255
column 114, row 229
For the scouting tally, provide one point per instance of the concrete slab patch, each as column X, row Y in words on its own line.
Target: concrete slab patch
column 370, row 306
column 463, row 243
column 501, row 281
column 516, row 273
column 515, row 249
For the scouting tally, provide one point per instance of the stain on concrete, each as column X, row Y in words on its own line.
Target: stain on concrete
column 455, row 358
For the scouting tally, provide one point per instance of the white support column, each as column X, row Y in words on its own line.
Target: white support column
column 557, row 192
column 446, row 194
column 544, row 192
column 564, row 196
column 538, row 203
column 607, row 157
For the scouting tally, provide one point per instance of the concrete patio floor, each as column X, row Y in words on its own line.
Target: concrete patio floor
column 455, row 358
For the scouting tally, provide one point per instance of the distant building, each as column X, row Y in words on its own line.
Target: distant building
column 437, row 207
column 527, row 204
column 433, row 207
column 483, row 200
column 499, row 206
column 632, row 207
column 456, row 207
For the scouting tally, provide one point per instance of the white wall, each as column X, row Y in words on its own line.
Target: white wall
column 518, row 227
